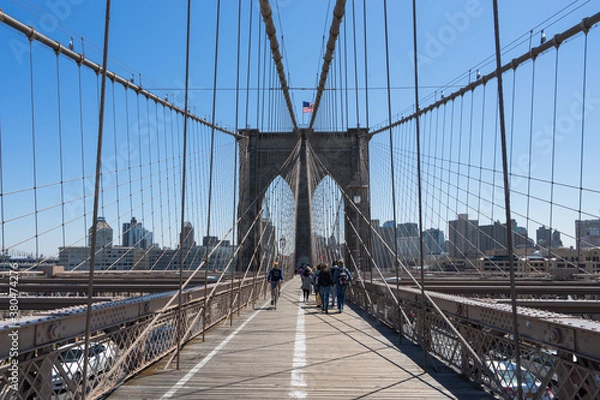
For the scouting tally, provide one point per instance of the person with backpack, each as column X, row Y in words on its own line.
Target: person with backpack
column 275, row 276
column 342, row 280
column 307, row 284
column 325, row 284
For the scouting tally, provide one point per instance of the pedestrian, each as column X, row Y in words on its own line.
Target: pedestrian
column 307, row 284
column 275, row 277
column 325, row 284
column 333, row 272
column 342, row 280
column 315, row 281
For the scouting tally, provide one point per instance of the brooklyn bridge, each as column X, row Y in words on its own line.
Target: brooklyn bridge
column 157, row 161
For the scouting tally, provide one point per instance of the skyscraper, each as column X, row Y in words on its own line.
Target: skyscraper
column 104, row 234
column 188, row 235
column 463, row 237
column 587, row 233
column 135, row 235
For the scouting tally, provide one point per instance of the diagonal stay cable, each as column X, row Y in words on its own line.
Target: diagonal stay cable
column 416, row 282
column 88, row 314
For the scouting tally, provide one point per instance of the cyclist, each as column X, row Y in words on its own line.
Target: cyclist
column 275, row 276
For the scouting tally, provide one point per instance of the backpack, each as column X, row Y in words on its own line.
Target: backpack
column 343, row 277
column 276, row 274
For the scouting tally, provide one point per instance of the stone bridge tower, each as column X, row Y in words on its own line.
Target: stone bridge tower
column 345, row 157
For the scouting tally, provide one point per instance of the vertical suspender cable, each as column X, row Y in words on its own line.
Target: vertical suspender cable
column 471, row 110
column 33, row 148
column 583, row 108
column 212, row 158
column 128, row 158
column 418, row 137
column 88, row 314
column 553, row 158
column 60, row 153
column 183, row 176
column 2, row 201
column 509, row 241
column 531, row 113
column 138, row 243
column 357, row 110
column 246, row 118
column 247, row 113
column 345, row 72
column 366, row 64
column 235, row 155
column 157, row 178
column 393, row 185
column 82, row 148
column 117, row 192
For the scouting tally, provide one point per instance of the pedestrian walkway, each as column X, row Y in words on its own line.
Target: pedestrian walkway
column 298, row 352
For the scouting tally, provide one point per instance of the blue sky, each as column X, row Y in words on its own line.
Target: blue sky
column 148, row 38
column 147, row 43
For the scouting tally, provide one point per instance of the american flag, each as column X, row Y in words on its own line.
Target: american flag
column 307, row 107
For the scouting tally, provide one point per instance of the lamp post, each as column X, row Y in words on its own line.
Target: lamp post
column 282, row 243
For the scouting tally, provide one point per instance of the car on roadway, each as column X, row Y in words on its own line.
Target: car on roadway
column 506, row 374
column 67, row 371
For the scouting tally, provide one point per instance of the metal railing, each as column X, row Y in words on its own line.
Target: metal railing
column 128, row 335
column 560, row 357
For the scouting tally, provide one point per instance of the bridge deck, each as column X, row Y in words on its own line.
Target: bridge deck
column 297, row 351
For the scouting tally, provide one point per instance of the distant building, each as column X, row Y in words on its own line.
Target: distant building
column 135, row 235
column 210, row 241
column 188, row 235
column 382, row 240
column 584, row 260
column 408, row 229
column 492, row 237
column 433, row 241
column 463, row 237
column 496, row 263
column 521, row 238
column 587, row 233
column 104, row 234
column 408, row 241
column 168, row 259
column 114, row 258
column 544, row 237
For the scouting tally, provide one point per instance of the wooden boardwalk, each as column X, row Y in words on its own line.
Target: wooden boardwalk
column 298, row 352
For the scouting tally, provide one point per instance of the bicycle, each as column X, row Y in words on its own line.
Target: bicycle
column 275, row 296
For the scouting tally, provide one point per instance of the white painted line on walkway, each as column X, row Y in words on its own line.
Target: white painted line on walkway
column 206, row 359
column 297, row 379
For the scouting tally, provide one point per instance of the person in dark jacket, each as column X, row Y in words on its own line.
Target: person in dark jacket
column 325, row 284
column 341, row 283
column 333, row 272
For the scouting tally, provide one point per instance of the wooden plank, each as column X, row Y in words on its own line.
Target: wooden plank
column 297, row 351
